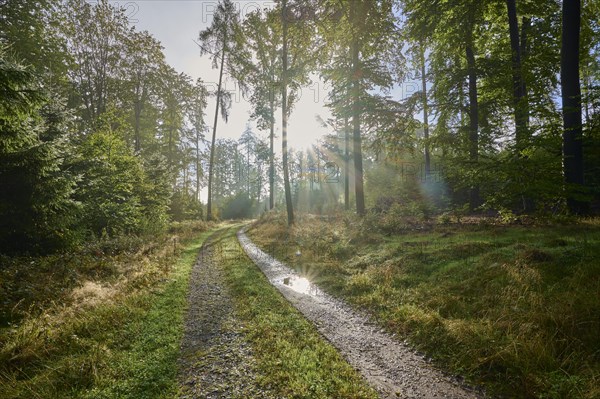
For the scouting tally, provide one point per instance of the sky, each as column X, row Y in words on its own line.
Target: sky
column 176, row 24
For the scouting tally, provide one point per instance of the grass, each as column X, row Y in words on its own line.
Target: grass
column 293, row 359
column 514, row 307
column 115, row 331
column 113, row 336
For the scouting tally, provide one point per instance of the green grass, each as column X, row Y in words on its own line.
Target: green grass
column 293, row 359
column 515, row 307
column 125, row 344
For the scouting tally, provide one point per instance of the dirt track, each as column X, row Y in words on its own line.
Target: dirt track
column 216, row 361
column 391, row 367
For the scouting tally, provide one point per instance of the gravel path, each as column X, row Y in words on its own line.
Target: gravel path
column 215, row 362
column 391, row 367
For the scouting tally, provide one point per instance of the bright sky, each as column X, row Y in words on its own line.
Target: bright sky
column 176, row 25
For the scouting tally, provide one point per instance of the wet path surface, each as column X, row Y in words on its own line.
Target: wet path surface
column 391, row 367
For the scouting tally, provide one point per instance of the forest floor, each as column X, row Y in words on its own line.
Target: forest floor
column 511, row 307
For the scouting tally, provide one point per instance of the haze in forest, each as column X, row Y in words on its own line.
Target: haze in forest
column 176, row 25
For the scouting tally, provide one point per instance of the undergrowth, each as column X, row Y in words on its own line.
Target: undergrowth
column 104, row 322
column 516, row 307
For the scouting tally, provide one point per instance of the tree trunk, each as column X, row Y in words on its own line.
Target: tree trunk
column 214, row 136
column 248, row 169
column 272, row 156
column 137, row 109
column 346, row 164
column 520, row 113
column 284, row 112
column 474, row 200
column 358, row 165
column 520, row 103
column 425, row 114
column 198, row 165
column 571, row 105
column 525, row 25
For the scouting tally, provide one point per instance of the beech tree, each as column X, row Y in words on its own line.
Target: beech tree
column 571, row 105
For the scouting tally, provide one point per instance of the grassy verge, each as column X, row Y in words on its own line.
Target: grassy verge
column 116, row 336
column 293, row 359
column 515, row 307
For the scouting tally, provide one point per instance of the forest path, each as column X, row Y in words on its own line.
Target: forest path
column 391, row 367
column 215, row 360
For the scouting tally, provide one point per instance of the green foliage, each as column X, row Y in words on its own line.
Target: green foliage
column 402, row 185
column 184, row 206
column 36, row 208
column 109, row 190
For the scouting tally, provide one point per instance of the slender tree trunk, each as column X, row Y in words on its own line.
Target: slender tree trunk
column 474, row 200
column 346, row 164
column 136, row 127
column 185, row 176
column 425, row 114
column 520, row 113
column 272, row 155
column 139, row 104
column 571, row 105
column 248, row 169
column 284, row 112
column 358, row 164
column 198, row 165
column 171, row 157
column 525, row 25
column 214, row 136
column 520, row 106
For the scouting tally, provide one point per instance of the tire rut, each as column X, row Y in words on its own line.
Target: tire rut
column 215, row 360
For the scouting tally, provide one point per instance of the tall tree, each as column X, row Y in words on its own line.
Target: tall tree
column 355, row 17
column 218, row 41
column 37, row 212
column 571, row 106
column 474, row 198
column 284, row 113
column 519, row 94
column 363, row 42
column 425, row 109
column 262, row 30
column 197, row 117
column 96, row 37
column 143, row 64
column 346, row 164
column 298, row 54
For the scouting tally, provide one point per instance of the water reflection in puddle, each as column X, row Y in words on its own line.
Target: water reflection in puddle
column 301, row 285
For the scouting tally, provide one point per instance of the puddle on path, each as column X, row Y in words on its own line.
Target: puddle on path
column 300, row 284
